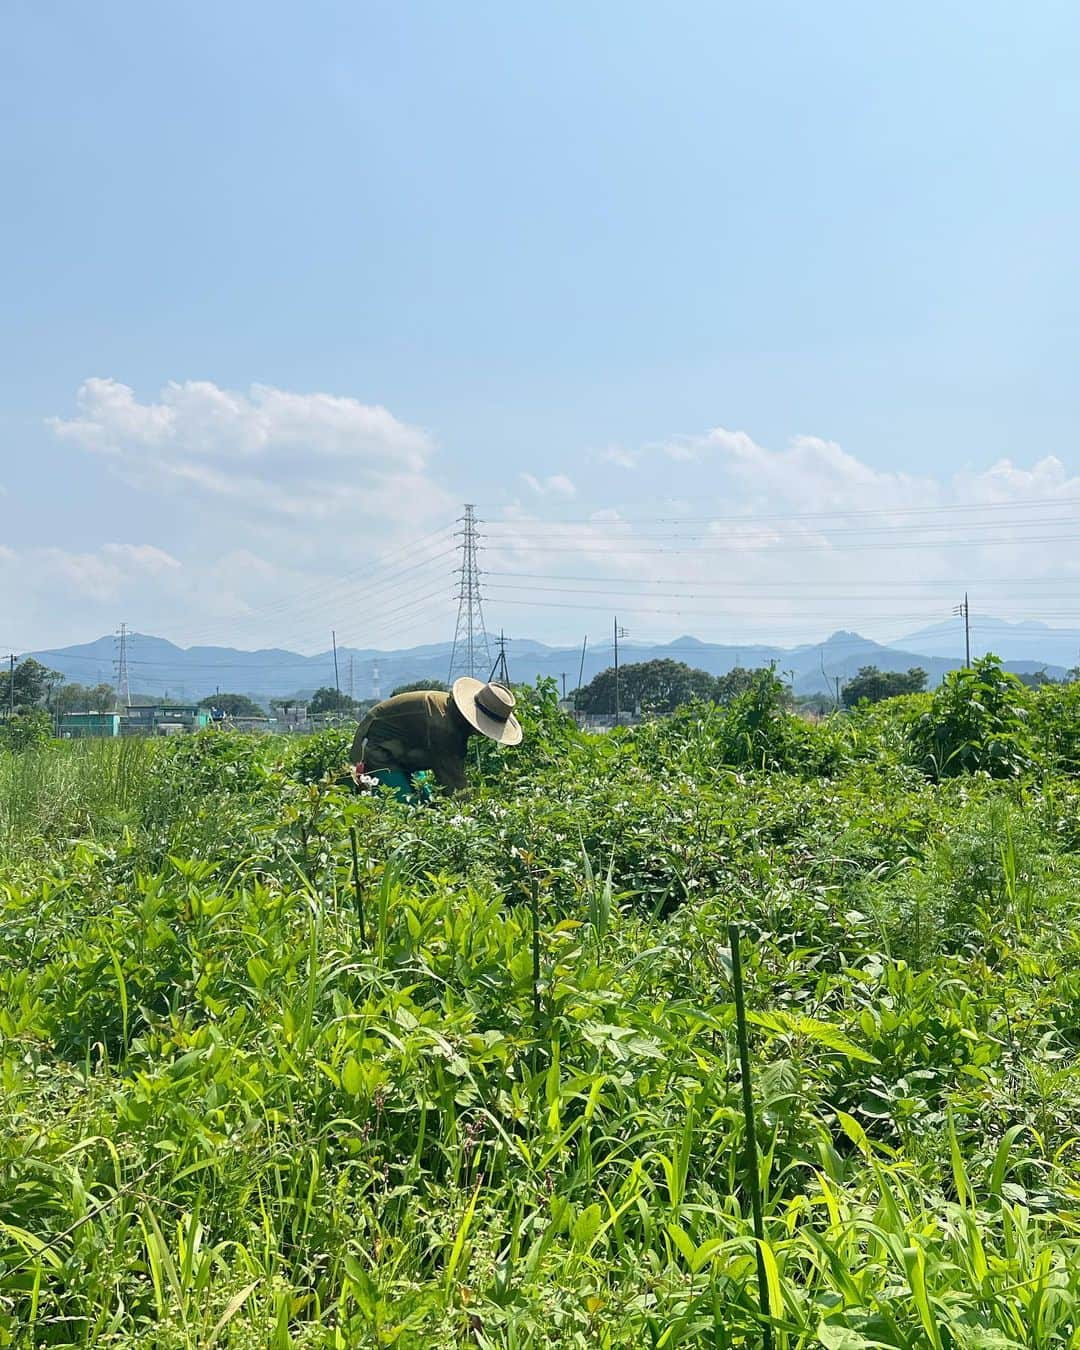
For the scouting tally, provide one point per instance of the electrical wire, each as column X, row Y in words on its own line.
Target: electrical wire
column 825, row 547
column 797, row 515
column 754, row 530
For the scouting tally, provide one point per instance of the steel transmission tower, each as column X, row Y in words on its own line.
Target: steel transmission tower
column 470, row 654
column 123, row 687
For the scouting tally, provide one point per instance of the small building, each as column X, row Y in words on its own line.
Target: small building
column 163, row 719
column 291, row 716
column 239, row 723
column 80, row 726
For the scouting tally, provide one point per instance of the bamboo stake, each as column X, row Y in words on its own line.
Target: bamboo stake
column 752, row 1179
column 356, row 883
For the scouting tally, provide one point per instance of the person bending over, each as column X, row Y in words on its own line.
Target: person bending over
column 428, row 731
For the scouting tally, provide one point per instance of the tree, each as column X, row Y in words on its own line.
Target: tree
column 653, row 686
column 33, row 682
column 1035, row 679
column 737, row 681
column 77, row 697
column 233, row 705
column 420, row 685
column 327, row 700
column 873, row 685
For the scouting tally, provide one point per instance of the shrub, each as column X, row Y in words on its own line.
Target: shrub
column 978, row 721
column 1056, row 725
column 325, row 753
column 28, row 728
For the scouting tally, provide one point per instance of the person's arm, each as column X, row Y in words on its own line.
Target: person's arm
column 356, row 754
column 449, row 771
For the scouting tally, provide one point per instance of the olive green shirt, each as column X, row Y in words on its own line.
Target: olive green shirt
column 420, row 730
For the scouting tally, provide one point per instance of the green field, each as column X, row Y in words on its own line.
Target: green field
column 494, row 1098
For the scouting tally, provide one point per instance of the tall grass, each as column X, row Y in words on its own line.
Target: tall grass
column 284, row 1067
column 51, row 792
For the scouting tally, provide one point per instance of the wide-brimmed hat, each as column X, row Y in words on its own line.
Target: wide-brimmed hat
column 488, row 708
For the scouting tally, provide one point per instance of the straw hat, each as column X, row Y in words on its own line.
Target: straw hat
column 488, row 708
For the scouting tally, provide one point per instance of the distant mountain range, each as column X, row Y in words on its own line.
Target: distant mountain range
column 158, row 667
column 1027, row 641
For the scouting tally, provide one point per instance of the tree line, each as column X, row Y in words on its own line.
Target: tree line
column 660, row 686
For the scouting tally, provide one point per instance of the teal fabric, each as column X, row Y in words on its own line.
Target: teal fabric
column 407, row 788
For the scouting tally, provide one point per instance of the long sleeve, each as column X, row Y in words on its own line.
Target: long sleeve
column 415, row 731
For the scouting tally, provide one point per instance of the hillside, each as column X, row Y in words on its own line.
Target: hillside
column 159, row 667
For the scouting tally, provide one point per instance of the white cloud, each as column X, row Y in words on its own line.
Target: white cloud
column 57, row 596
column 792, row 543
column 269, row 452
column 619, row 456
column 812, row 475
column 99, row 575
column 557, row 485
column 283, row 504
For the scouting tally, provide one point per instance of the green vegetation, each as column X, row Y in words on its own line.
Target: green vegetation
column 660, row 686
column 327, row 700
column 29, row 686
column 438, row 685
column 233, row 705
column 873, row 685
column 491, row 1097
column 74, row 697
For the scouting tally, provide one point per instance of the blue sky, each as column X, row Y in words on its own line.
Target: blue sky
column 331, row 270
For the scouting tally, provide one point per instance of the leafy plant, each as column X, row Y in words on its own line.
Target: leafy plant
column 287, row 1066
column 978, row 721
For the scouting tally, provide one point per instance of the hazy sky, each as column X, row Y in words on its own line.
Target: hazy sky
column 284, row 285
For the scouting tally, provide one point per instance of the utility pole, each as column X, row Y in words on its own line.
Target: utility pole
column 351, row 696
column 470, row 635
column 619, row 632
column 337, row 681
column 500, row 666
column 964, row 611
column 837, row 679
column 11, row 685
column 967, row 631
column 123, row 688
column 563, row 677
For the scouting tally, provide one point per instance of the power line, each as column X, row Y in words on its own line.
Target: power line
column 688, row 593
column 322, row 593
column 413, row 599
column 845, row 585
column 752, row 525
column 770, row 548
column 373, row 596
column 838, row 512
